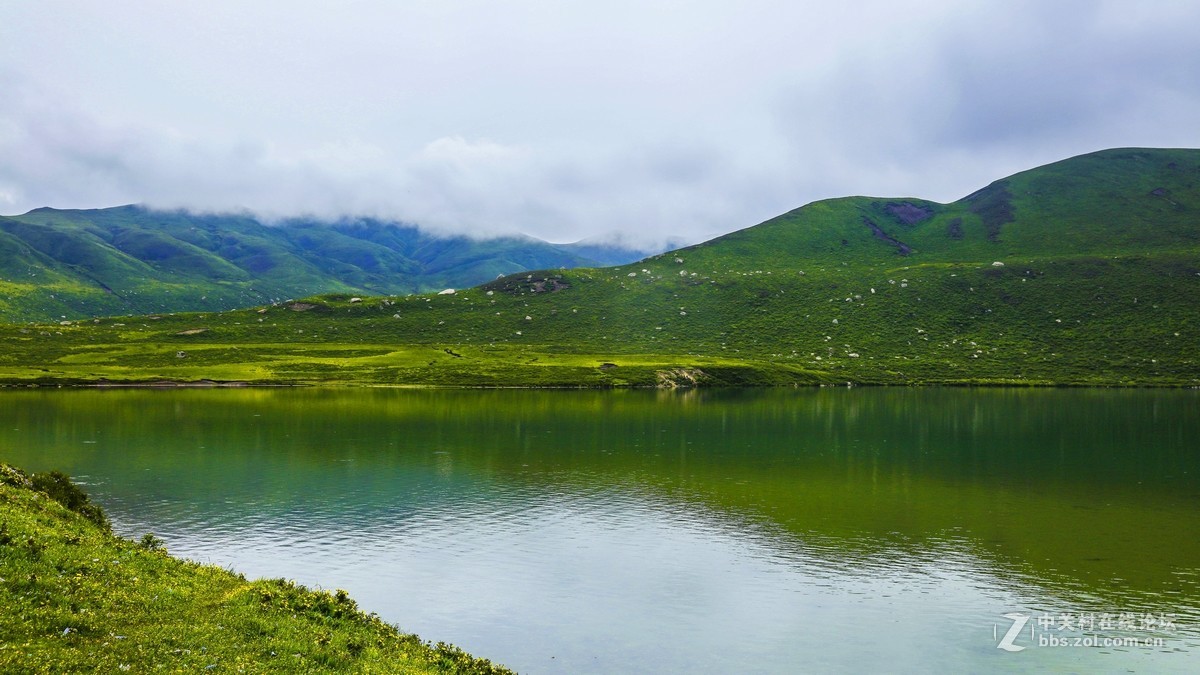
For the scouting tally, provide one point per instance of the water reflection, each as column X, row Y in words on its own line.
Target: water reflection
column 650, row 531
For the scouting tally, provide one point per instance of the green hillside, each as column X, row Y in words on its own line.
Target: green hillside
column 79, row 599
column 1086, row 271
column 74, row 264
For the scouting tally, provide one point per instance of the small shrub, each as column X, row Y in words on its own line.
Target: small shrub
column 152, row 543
column 34, row 546
column 58, row 486
column 452, row 659
column 11, row 475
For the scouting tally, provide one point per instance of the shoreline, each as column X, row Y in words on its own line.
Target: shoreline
column 349, row 384
column 73, row 584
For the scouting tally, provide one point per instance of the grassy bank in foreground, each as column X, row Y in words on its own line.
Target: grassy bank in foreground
column 77, row 598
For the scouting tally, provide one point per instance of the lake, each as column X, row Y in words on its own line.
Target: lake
column 816, row 530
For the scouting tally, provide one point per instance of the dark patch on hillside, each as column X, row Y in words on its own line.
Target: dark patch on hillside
column 147, row 246
column 257, row 264
column 306, row 306
column 901, row 247
column 535, row 282
column 954, row 229
column 909, row 214
column 993, row 205
column 550, row 285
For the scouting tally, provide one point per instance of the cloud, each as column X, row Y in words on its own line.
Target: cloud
column 565, row 122
column 451, row 184
column 996, row 89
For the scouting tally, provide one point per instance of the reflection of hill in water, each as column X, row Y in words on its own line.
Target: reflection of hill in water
column 1083, row 491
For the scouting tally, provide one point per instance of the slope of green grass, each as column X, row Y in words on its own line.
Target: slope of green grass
column 1011, row 285
column 79, row 599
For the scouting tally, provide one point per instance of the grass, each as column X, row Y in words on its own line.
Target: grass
column 1084, row 272
column 79, row 599
column 1078, row 321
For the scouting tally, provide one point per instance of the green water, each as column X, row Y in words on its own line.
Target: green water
column 746, row 531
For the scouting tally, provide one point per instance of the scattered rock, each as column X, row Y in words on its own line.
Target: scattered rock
column 515, row 285
column 448, row 291
column 680, row 377
column 554, row 283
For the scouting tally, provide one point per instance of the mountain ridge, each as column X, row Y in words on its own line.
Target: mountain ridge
column 74, row 263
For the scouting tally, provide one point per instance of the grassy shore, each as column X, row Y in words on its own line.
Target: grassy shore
column 1083, row 321
column 77, row 598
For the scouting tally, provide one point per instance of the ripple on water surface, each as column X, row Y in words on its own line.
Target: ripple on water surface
column 821, row 531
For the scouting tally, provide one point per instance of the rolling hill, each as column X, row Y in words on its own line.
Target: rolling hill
column 83, row 263
column 1086, row 271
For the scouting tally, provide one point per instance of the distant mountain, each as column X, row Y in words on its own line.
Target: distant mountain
column 617, row 251
column 128, row 259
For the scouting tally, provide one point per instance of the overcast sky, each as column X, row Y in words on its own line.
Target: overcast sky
column 566, row 120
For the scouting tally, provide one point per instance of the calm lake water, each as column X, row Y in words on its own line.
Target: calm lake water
column 818, row 530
